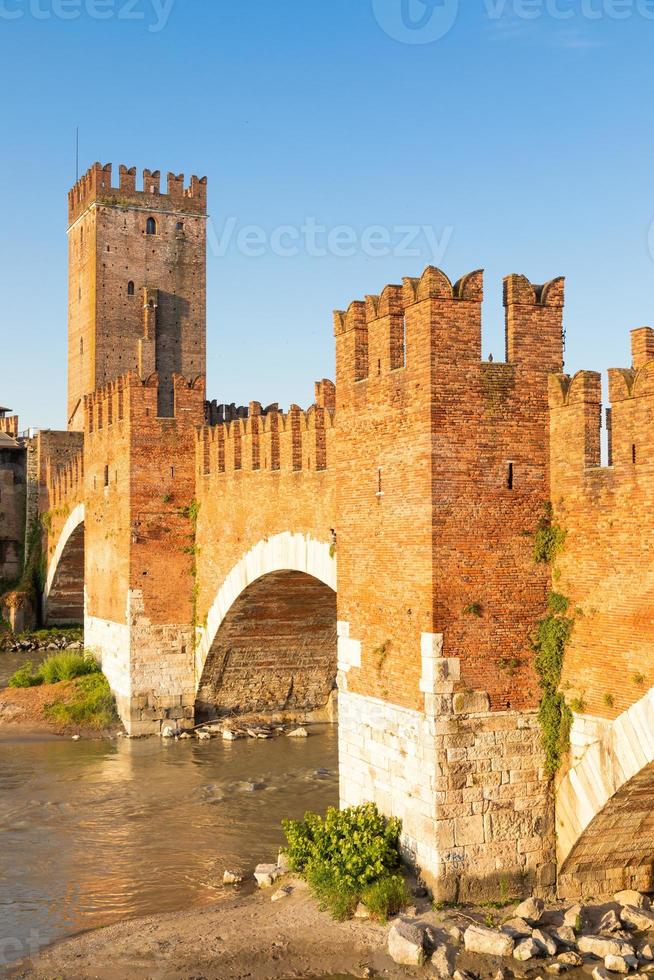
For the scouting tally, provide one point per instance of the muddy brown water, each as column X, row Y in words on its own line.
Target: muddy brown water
column 98, row 831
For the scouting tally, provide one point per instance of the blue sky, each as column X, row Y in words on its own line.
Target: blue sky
column 518, row 133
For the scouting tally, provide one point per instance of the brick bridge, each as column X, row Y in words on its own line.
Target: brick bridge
column 244, row 559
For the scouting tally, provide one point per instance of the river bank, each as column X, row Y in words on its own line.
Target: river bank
column 280, row 932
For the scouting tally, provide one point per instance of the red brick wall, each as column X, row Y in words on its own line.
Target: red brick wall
column 139, row 478
column 258, row 477
column 605, row 568
column 427, row 524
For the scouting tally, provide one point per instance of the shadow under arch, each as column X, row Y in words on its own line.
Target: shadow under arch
column 270, row 640
column 63, row 595
column 604, row 812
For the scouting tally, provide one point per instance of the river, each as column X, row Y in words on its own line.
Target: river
column 98, row 831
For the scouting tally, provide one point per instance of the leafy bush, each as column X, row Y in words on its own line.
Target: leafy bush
column 345, row 855
column 92, row 704
column 64, row 666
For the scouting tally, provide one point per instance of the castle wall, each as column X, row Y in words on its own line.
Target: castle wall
column 441, row 478
column 270, row 474
column 12, row 512
column 114, row 265
column 139, row 478
column 603, row 567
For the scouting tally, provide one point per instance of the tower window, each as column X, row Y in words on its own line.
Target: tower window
column 151, row 227
column 180, row 226
column 130, row 288
column 509, row 477
column 81, row 346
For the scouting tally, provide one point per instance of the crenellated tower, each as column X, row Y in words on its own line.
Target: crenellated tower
column 137, row 282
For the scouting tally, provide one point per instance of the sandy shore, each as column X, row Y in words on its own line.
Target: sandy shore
column 22, row 710
column 242, row 936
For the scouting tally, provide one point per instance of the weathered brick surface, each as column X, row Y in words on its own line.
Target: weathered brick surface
column 604, row 568
column 137, row 301
column 441, row 475
column 276, row 649
column 12, row 504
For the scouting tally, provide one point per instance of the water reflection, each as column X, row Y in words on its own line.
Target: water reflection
column 98, row 831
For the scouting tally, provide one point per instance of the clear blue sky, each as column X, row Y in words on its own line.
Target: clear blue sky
column 522, row 137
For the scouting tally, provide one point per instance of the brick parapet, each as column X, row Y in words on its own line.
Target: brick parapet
column 603, row 509
column 9, row 425
column 95, row 187
column 267, row 440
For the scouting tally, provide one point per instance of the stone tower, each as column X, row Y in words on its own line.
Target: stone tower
column 137, row 282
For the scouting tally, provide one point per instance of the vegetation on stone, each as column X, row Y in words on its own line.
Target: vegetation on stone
column 349, row 856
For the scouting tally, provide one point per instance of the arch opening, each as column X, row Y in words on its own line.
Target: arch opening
column 616, row 850
column 275, row 649
column 64, row 601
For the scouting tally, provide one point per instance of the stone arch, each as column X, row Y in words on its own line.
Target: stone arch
column 280, row 597
column 63, row 595
column 604, row 813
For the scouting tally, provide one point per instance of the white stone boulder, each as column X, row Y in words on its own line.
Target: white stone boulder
column 564, row 936
column 601, row 946
column 616, row 964
column 298, row 733
column 631, row 897
column 526, row 950
column 573, row 917
column 443, row 959
column 610, row 922
column 531, row 910
column 406, row 944
column 543, row 939
column 647, row 952
column 601, row 973
column 639, row 919
column 266, row 875
column 517, row 928
column 481, row 939
column 232, row 878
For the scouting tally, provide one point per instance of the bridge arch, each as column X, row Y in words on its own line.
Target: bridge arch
column 63, row 595
column 271, row 625
column 604, row 816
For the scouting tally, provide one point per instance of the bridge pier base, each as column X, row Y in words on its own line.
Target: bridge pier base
column 468, row 783
column 149, row 668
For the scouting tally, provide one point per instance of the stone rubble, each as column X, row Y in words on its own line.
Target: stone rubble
column 531, row 910
column 639, row 919
column 406, row 944
column 481, row 939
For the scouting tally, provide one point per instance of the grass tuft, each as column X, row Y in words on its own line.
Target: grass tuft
column 91, row 704
column 64, row 666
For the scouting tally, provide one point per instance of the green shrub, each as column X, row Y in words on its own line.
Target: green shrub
column 25, row 677
column 92, row 704
column 346, row 854
column 67, row 665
